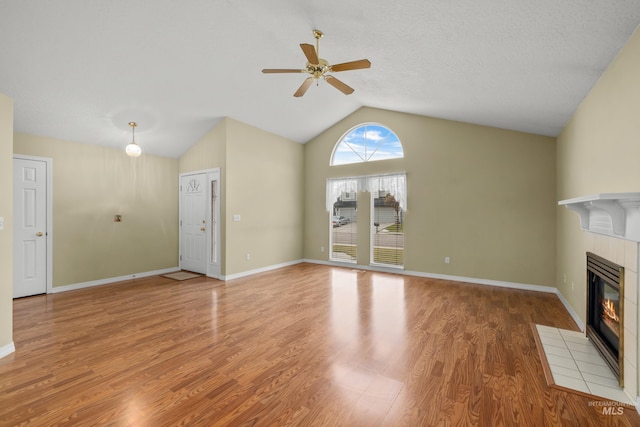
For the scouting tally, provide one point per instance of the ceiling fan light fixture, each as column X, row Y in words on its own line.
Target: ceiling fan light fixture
column 133, row 149
column 320, row 68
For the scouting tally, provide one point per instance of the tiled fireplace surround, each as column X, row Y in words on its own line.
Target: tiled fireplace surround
column 624, row 253
column 611, row 229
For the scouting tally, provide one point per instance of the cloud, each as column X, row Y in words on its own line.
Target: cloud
column 368, row 142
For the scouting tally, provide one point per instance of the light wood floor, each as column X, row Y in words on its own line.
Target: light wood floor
column 303, row 345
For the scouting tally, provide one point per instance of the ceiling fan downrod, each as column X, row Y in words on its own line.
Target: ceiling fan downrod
column 318, row 35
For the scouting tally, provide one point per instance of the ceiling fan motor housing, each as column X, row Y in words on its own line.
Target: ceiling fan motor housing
column 318, row 70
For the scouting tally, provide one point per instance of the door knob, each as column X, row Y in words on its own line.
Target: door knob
column 39, row 234
column 202, row 229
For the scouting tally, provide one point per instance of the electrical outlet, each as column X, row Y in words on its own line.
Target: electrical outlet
column 321, row 248
column 248, row 257
column 572, row 285
column 1, row 223
column 447, row 260
column 564, row 278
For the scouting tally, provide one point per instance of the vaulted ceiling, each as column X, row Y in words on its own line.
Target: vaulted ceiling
column 81, row 70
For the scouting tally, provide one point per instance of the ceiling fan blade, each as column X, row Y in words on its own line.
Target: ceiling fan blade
column 282, row 70
column 310, row 53
column 338, row 84
column 303, row 88
column 353, row 65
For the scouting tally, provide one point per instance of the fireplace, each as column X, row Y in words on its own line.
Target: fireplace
column 605, row 296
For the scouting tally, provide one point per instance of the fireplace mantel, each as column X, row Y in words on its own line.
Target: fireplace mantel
column 612, row 214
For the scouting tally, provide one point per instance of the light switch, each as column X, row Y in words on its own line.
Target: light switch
column 236, row 217
column 1, row 223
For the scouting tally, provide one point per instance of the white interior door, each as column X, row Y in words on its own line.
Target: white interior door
column 30, row 227
column 193, row 222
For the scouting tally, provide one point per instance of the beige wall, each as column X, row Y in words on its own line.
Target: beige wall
column 483, row 196
column 598, row 152
column 6, row 211
column 262, row 181
column 264, row 185
column 91, row 184
column 210, row 153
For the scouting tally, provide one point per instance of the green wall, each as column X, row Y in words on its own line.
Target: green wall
column 91, row 184
column 6, row 211
column 483, row 196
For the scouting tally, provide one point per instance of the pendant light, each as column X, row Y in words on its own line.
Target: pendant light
column 133, row 149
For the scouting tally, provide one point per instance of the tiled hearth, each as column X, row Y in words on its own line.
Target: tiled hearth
column 575, row 364
column 611, row 225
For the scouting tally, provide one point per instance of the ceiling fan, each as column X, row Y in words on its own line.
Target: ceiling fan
column 319, row 68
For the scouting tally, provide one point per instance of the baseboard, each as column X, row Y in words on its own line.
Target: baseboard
column 488, row 282
column 570, row 309
column 513, row 285
column 7, row 349
column 260, row 270
column 638, row 404
column 357, row 266
column 110, row 280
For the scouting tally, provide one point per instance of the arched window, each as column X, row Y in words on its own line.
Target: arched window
column 367, row 143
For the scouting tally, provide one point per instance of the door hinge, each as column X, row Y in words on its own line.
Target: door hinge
column 180, row 257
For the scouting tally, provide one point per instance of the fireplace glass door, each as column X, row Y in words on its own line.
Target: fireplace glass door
column 606, row 313
column 605, row 293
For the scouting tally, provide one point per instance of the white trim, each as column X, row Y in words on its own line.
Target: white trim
column 212, row 271
column 111, row 280
column 208, row 173
column 345, row 264
column 7, row 349
column 571, row 311
column 488, row 282
column 638, row 404
column 49, row 162
column 261, row 270
column 335, row 147
column 611, row 214
column 513, row 285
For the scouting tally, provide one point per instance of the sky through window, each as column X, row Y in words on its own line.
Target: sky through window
column 367, row 143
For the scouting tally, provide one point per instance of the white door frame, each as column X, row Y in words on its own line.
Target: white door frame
column 214, row 269
column 211, row 175
column 49, row 162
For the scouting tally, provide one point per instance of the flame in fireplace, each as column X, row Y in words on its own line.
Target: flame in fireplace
column 610, row 311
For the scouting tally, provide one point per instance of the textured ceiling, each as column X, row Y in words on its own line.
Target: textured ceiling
column 79, row 70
